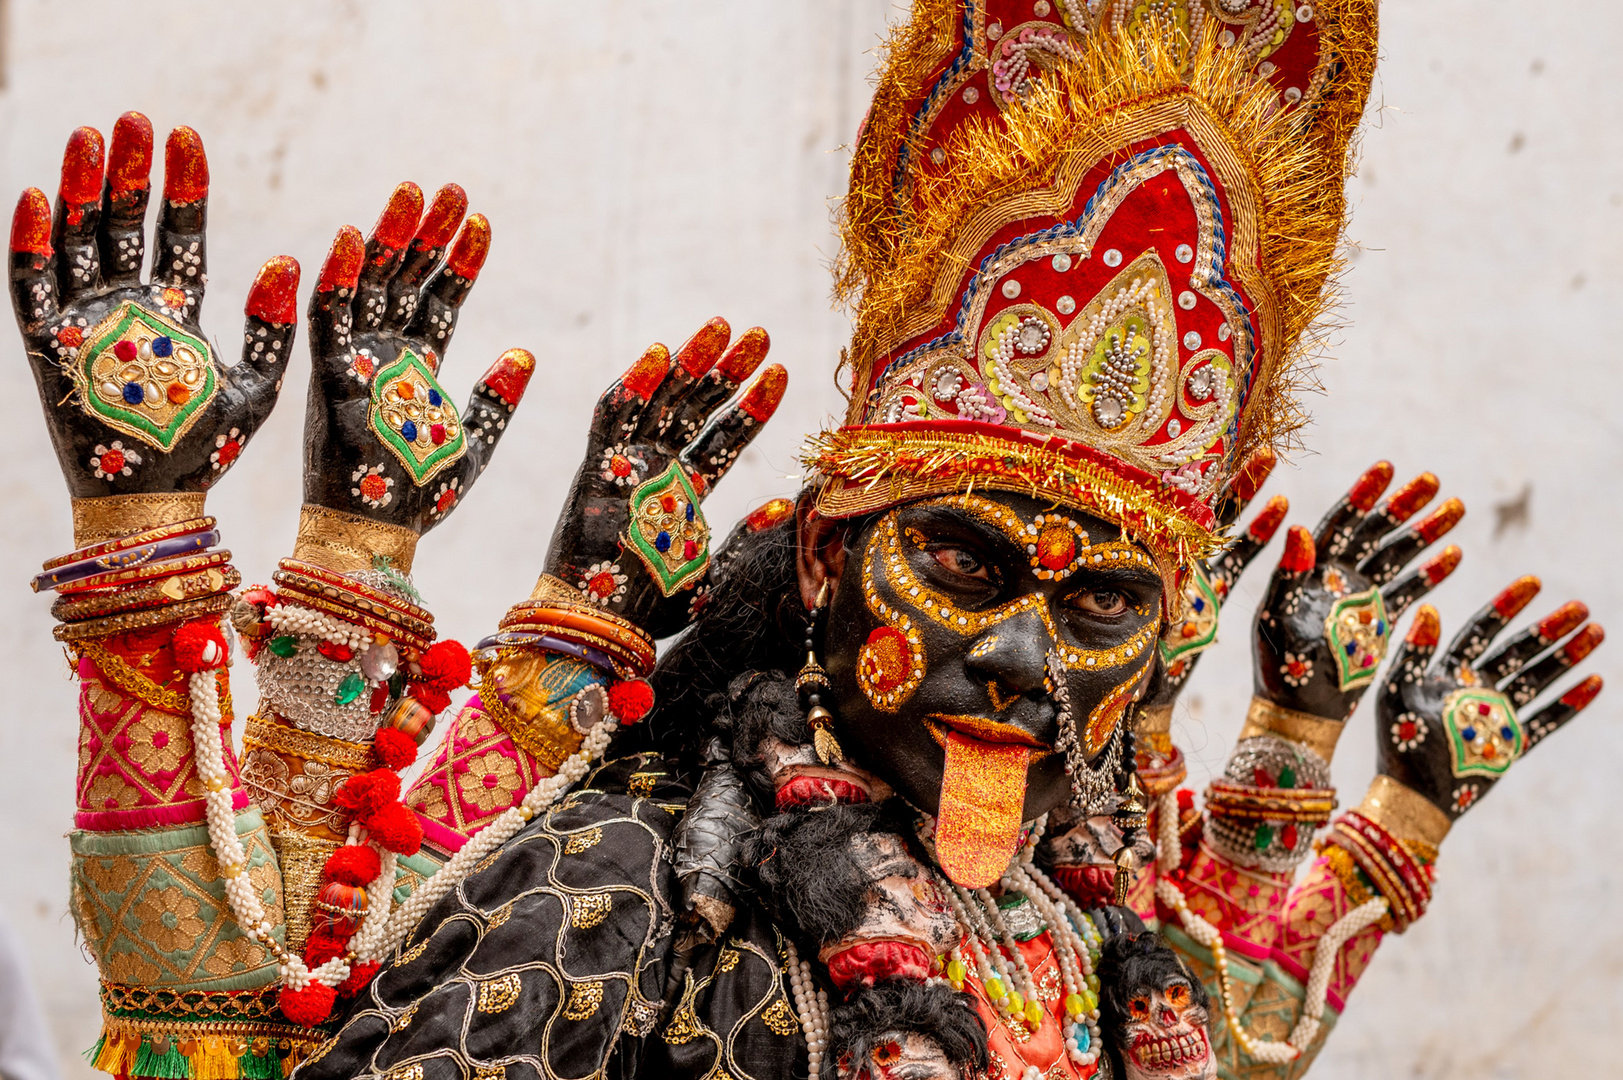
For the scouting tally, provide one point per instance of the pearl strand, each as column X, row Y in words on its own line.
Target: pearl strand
column 301, row 621
column 811, row 1006
column 504, row 827
column 1318, row 984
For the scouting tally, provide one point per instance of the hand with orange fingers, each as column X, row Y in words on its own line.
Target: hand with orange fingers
column 136, row 400
column 1450, row 726
column 632, row 537
column 383, row 440
column 1208, row 585
column 1323, row 628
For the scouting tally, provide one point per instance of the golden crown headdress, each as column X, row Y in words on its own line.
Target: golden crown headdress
column 1086, row 242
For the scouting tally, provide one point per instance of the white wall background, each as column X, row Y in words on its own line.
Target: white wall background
column 648, row 165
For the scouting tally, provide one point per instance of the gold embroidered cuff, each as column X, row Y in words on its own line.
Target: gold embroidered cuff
column 111, row 516
column 1154, row 728
column 342, row 542
column 1404, row 812
column 1314, row 732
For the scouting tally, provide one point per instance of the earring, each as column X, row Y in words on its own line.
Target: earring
column 1131, row 816
column 812, row 683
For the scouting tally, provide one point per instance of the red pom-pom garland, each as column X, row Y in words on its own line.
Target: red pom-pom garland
column 364, row 793
column 630, row 700
column 353, row 864
column 432, row 697
column 445, row 665
column 395, row 748
column 395, row 828
column 199, row 646
column 309, row 1005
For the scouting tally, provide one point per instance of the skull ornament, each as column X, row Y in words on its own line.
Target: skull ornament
column 1154, row 1011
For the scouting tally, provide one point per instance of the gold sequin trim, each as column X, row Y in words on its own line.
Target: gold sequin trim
column 413, row 953
column 405, row 1072
column 583, row 841
column 590, row 910
column 285, row 739
column 498, row 995
column 778, row 1020
column 641, row 784
column 403, row 1021
column 501, row 916
column 584, row 998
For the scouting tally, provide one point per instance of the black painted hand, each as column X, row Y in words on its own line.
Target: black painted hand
column 1323, row 628
column 382, row 438
column 136, row 399
column 1209, row 584
column 631, row 536
column 1450, row 727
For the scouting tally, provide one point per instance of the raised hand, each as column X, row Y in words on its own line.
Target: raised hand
column 382, row 439
column 1323, row 628
column 1210, row 583
column 1449, row 726
column 631, row 536
column 136, row 400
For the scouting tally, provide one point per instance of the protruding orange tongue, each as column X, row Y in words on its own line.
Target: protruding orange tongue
column 983, row 790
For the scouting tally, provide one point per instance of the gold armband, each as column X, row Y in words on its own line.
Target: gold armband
column 108, row 517
column 1405, row 813
column 1314, row 732
column 334, row 540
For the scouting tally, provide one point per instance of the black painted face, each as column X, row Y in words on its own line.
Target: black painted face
column 959, row 628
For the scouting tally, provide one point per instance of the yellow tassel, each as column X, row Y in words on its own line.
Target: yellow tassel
column 117, row 1054
column 828, row 747
column 295, row 1056
column 213, row 1060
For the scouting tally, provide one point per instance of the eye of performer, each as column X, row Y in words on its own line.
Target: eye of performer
column 963, row 562
column 1101, row 601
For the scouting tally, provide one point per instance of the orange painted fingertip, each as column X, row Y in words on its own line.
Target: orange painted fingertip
column 1369, row 486
column 1267, row 522
column 444, row 215
column 185, row 167
column 1254, row 473
column 343, row 266
column 1412, row 496
column 701, row 351
column 1582, row 694
column 769, row 515
column 510, row 374
column 1427, row 628
column 1299, row 554
column 1518, row 595
column 1583, row 643
column 81, row 169
column 129, row 157
column 471, row 247
column 31, row 224
column 1562, row 621
column 1441, row 565
column 644, row 377
column 398, row 222
column 762, row 398
column 745, row 355
column 274, row 297
column 1440, row 520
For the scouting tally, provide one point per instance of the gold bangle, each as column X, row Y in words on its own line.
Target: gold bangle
column 108, row 517
column 1313, row 732
column 161, row 593
column 136, row 620
column 1404, row 812
column 334, row 540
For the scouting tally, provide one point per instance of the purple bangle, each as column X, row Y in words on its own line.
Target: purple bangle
column 598, row 659
column 124, row 560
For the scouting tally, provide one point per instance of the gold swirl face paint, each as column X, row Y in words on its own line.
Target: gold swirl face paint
column 939, row 658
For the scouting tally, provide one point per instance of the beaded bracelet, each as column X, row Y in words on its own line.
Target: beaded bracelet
column 154, row 594
column 157, row 571
column 1310, row 806
column 315, row 580
column 624, row 642
column 147, row 536
column 125, row 558
column 136, row 620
